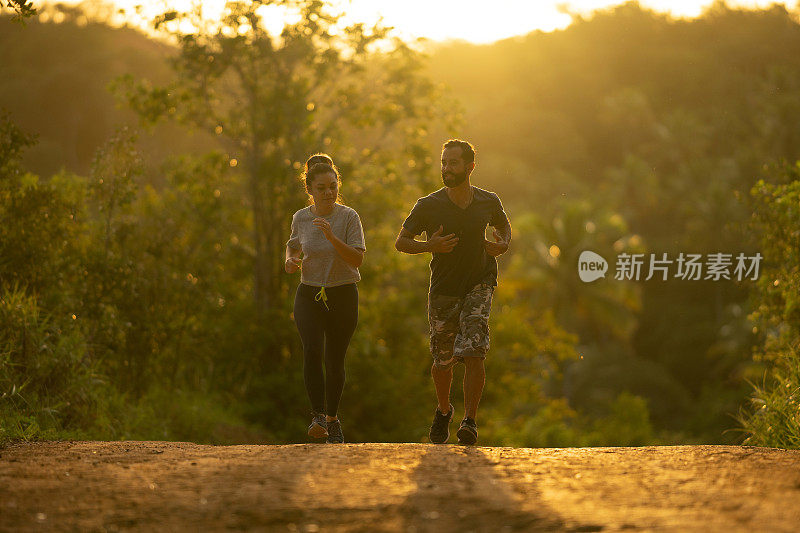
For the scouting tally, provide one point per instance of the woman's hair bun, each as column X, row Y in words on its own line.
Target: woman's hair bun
column 318, row 158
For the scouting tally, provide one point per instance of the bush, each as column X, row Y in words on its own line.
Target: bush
column 772, row 419
column 47, row 383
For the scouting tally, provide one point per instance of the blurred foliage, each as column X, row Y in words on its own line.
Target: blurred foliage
column 142, row 297
column 55, row 84
column 773, row 416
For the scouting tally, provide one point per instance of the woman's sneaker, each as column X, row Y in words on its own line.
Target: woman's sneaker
column 335, row 432
column 440, row 428
column 318, row 428
column 468, row 432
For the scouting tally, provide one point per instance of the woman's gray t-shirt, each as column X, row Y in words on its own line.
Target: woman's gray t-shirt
column 322, row 264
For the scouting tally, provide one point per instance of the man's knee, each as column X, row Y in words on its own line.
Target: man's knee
column 473, row 362
column 439, row 369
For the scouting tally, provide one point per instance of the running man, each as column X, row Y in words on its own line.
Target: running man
column 463, row 278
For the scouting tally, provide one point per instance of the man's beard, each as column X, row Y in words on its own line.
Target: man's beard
column 452, row 179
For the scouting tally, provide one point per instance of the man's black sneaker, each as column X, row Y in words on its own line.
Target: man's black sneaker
column 335, row 432
column 318, row 428
column 440, row 429
column 468, row 432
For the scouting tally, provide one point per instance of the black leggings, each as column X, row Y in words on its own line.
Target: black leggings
column 325, row 333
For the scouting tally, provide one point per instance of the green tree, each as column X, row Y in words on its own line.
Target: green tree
column 274, row 99
column 36, row 219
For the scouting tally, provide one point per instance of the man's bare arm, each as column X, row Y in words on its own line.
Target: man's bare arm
column 406, row 243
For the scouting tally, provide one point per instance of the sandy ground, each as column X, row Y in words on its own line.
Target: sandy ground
column 177, row 486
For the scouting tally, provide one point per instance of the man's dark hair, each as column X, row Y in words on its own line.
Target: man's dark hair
column 467, row 150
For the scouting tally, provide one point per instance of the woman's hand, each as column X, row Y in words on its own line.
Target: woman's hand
column 325, row 226
column 352, row 256
column 292, row 265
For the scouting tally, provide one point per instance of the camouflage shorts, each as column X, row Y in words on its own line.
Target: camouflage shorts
column 459, row 326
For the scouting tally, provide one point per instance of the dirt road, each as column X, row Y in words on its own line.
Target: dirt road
column 176, row 486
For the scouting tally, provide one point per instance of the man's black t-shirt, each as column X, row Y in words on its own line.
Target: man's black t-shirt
column 456, row 272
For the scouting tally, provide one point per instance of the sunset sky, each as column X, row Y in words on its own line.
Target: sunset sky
column 478, row 21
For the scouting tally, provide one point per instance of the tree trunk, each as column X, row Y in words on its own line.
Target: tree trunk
column 261, row 270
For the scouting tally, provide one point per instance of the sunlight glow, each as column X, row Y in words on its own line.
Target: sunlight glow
column 478, row 21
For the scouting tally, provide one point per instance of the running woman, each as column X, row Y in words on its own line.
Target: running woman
column 463, row 279
column 327, row 246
